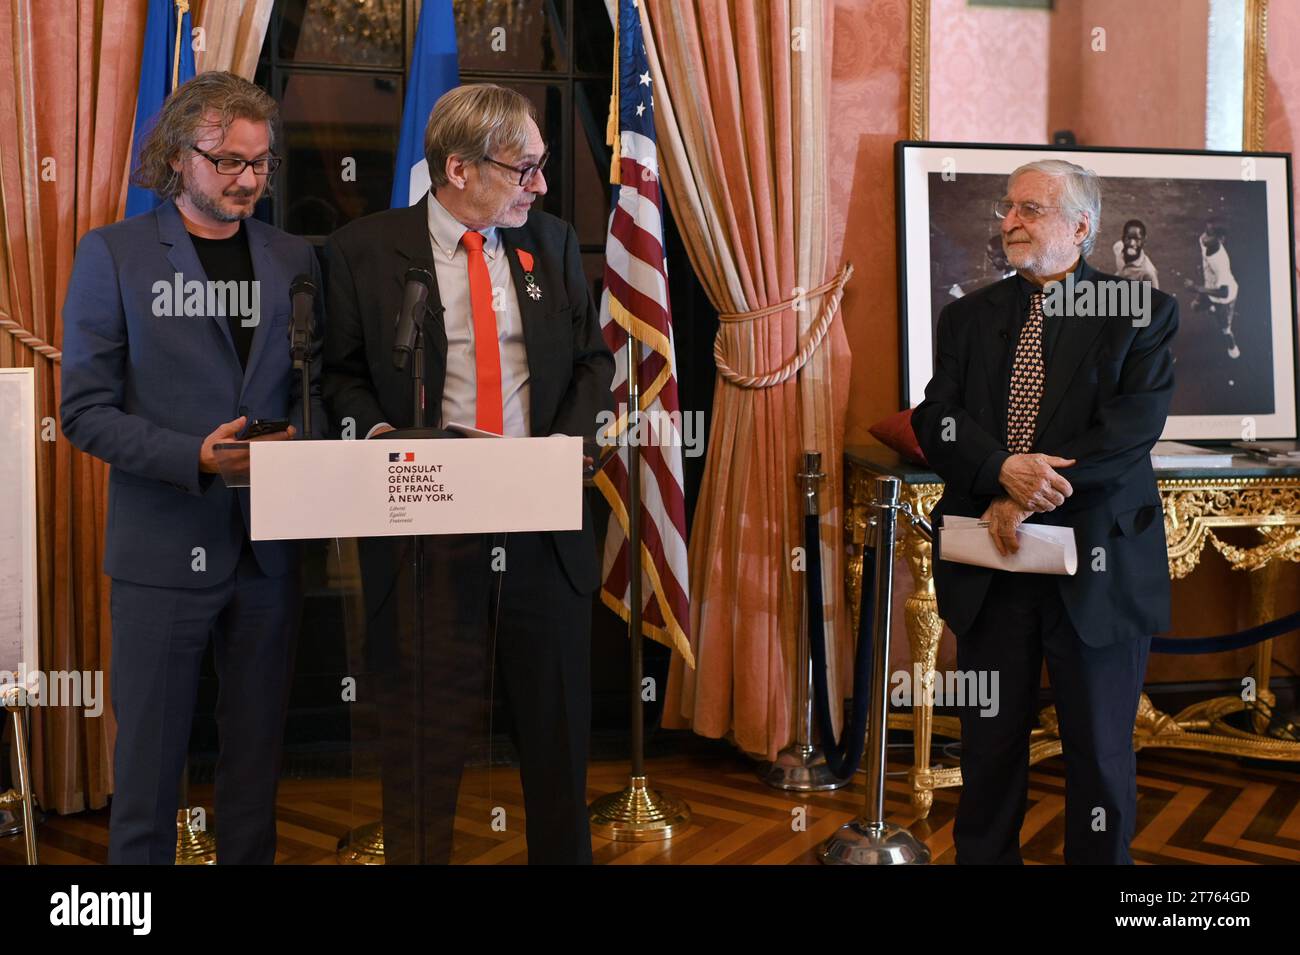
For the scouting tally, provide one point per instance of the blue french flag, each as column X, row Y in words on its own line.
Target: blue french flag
column 434, row 70
column 166, row 63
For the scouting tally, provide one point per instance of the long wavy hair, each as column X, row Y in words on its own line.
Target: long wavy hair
column 211, row 98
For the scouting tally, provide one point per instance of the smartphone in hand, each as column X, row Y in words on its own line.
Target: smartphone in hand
column 261, row 427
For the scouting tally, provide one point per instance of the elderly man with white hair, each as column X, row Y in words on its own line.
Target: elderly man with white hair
column 1046, row 415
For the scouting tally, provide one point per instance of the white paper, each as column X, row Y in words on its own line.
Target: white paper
column 1044, row 549
column 471, row 432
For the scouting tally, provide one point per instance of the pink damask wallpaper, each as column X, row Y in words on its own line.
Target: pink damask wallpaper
column 989, row 76
column 869, row 106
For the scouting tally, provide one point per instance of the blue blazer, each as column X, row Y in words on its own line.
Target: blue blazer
column 142, row 390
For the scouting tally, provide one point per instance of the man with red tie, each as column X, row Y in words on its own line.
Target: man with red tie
column 512, row 345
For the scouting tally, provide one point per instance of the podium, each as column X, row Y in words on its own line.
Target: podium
column 427, row 523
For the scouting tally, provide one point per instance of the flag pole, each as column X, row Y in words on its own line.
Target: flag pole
column 637, row 813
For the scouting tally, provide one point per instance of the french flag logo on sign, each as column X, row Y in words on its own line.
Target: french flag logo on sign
column 401, row 455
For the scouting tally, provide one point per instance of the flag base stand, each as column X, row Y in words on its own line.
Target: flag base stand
column 867, row 843
column 638, row 814
column 801, row 768
column 363, row 845
column 194, row 846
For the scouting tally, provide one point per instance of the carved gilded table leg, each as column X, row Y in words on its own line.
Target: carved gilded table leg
column 1263, row 606
column 924, row 631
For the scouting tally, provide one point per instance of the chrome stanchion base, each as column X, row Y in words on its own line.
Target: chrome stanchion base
column 801, row 769
column 638, row 814
column 193, row 846
column 363, row 845
column 862, row 843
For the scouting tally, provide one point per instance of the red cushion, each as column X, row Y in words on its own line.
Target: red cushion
column 896, row 432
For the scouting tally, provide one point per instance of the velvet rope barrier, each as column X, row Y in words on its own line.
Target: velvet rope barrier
column 1228, row 641
column 843, row 755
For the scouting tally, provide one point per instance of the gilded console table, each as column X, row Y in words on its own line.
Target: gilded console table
column 1197, row 504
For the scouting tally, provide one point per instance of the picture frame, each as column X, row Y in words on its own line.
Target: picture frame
column 19, row 623
column 1237, row 204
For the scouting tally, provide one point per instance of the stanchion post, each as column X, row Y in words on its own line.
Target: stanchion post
column 14, row 699
column 801, row 766
column 869, row 840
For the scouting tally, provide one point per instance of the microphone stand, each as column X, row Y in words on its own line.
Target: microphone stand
column 301, row 364
column 419, row 426
column 365, row 844
column 417, row 377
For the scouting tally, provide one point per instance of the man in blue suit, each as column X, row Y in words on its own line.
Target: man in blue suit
column 176, row 329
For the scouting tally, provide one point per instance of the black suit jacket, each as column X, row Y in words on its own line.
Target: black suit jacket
column 1105, row 399
column 569, row 366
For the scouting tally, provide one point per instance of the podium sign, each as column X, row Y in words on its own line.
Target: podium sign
column 314, row 489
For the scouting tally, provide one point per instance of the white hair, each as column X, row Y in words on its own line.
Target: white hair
column 1080, row 192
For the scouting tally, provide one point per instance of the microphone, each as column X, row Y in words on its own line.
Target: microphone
column 302, row 293
column 415, row 298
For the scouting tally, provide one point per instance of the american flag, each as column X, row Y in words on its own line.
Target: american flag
column 635, row 300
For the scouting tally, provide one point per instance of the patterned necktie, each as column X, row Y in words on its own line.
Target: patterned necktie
column 489, row 414
column 1026, row 381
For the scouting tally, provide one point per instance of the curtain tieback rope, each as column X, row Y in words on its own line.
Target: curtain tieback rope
column 833, row 292
column 30, row 340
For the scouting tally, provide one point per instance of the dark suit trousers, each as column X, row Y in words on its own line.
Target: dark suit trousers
column 159, row 637
column 541, row 655
column 1096, row 690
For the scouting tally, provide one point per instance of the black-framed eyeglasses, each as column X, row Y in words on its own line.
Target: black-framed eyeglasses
column 231, row 166
column 526, row 173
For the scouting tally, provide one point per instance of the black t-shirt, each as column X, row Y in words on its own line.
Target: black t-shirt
column 228, row 260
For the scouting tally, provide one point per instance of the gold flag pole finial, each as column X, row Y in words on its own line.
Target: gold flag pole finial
column 182, row 8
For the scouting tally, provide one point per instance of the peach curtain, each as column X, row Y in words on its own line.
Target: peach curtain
column 67, row 100
column 741, row 91
column 233, row 31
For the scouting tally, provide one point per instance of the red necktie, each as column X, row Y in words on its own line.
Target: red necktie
column 487, row 352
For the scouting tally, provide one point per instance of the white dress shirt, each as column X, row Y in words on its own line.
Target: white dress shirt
column 451, row 270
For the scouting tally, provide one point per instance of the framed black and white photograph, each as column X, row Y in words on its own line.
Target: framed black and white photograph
column 18, row 621
column 1184, row 220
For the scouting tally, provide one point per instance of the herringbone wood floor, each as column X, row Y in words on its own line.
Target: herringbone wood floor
column 1193, row 808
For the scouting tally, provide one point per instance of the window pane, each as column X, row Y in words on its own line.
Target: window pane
column 354, row 32
column 591, row 189
column 498, row 35
column 329, row 119
column 593, row 37
column 551, row 120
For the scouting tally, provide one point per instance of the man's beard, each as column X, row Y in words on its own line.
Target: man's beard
column 206, row 204
column 1036, row 260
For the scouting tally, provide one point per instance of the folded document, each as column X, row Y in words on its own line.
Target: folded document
column 1043, row 549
